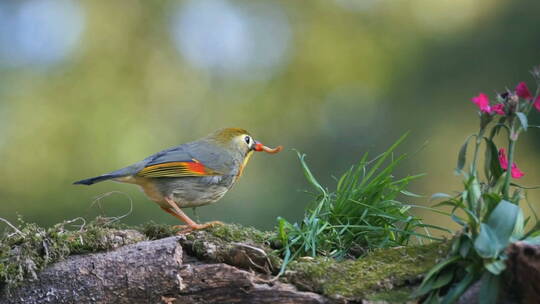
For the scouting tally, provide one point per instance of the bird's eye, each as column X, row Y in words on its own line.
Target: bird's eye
column 247, row 139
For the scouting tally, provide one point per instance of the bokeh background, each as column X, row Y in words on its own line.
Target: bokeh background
column 87, row 87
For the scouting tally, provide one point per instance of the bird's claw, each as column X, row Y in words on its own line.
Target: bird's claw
column 184, row 229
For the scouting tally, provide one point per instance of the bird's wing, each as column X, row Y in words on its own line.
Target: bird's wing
column 177, row 169
column 182, row 161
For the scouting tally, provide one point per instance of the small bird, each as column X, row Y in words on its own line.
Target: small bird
column 193, row 174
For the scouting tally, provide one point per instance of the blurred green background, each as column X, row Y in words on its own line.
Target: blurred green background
column 87, row 87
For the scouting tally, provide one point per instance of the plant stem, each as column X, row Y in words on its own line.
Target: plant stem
column 476, row 148
column 511, row 148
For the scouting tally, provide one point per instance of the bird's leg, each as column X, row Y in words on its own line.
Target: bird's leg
column 171, row 212
column 196, row 214
column 191, row 225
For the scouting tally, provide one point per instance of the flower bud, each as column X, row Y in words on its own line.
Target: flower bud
column 503, row 97
column 513, row 103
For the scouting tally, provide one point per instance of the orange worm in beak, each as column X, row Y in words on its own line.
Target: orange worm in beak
column 260, row 147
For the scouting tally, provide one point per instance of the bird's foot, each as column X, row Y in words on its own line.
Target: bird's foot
column 211, row 224
column 184, row 229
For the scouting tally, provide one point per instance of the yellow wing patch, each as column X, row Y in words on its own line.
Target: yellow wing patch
column 177, row 169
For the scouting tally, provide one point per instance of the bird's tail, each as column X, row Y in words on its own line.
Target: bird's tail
column 124, row 172
column 97, row 179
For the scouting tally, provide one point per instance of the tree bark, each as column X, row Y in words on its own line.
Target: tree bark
column 521, row 280
column 158, row 271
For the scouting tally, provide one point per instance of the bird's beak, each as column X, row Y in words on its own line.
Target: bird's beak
column 260, row 147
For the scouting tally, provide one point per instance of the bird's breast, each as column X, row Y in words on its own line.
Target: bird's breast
column 244, row 164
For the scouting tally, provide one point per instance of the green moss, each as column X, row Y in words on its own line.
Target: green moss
column 381, row 270
column 155, row 231
column 237, row 233
column 23, row 254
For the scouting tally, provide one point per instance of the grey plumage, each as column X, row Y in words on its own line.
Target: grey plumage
column 213, row 156
column 190, row 175
column 195, row 191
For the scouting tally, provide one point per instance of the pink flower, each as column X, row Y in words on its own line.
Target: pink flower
column 499, row 109
column 537, row 103
column 503, row 160
column 516, row 173
column 482, row 101
column 523, row 91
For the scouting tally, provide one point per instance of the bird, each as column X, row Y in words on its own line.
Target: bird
column 191, row 175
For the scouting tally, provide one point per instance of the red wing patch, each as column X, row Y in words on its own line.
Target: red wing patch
column 177, row 169
column 196, row 167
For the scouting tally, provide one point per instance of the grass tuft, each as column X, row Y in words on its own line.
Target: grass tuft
column 362, row 213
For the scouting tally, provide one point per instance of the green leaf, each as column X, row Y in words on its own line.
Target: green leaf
column 408, row 193
column 456, row 291
column 382, row 158
column 519, row 228
column 454, row 246
column 486, row 243
column 431, row 275
column 443, row 279
column 451, row 203
column 533, row 240
column 489, row 288
column 433, row 298
column 474, row 193
column 466, row 245
column 523, row 120
column 439, row 195
column 495, row 267
column 491, row 200
column 503, row 220
column 492, row 167
column 462, row 155
column 496, row 232
column 458, row 220
column 473, row 219
column 500, row 183
column 516, row 197
column 309, row 176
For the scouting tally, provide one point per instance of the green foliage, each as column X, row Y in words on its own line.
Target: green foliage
column 486, row 209
column 362, row 213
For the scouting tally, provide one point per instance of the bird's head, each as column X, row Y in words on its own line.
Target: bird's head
column 240, row 140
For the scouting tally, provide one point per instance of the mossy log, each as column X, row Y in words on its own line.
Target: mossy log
column 225, row 264
column 151, row 272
